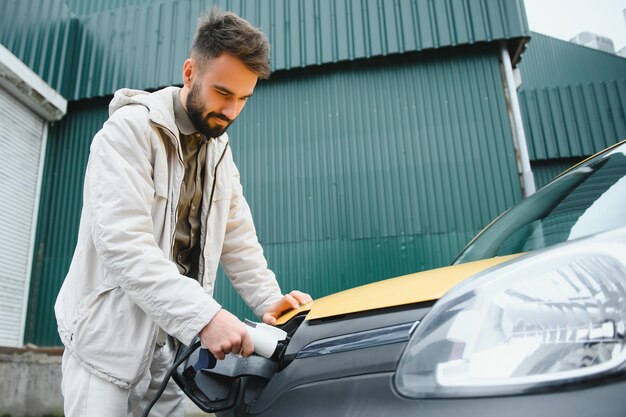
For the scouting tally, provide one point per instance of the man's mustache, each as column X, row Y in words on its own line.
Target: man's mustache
column 219, row 116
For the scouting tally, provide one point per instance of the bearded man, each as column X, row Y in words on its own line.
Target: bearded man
column 162, row 207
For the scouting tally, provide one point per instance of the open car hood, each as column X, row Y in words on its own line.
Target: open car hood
column 408, row 289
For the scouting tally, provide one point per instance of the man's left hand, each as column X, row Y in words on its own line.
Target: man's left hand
column 289, row 301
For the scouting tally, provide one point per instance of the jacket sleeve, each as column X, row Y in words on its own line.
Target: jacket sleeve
column 120, row 190
column 242, row 255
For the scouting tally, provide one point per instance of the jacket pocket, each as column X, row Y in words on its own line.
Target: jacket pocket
column 114, row 336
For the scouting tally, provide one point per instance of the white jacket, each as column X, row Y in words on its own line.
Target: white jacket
column 121, row 285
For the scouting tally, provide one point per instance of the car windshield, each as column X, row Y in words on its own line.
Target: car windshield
column 586, row 200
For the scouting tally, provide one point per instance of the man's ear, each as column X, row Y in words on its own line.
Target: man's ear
column 188, row 72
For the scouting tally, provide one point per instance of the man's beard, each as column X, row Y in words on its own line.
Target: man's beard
column 195, row 110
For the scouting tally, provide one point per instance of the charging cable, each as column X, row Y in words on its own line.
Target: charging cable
column 168, row 375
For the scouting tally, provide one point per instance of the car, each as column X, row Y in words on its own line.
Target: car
column 529, row 320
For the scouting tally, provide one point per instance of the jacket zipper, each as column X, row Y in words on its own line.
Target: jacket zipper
column 180, row 159
column 208, row 212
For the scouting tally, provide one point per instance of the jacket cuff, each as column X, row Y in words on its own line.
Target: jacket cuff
column 203, row 318
column 262, row 308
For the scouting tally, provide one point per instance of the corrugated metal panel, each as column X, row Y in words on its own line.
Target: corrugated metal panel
column 354, row 144
column 60, row 205
column 82, row 7
column 550, row 62
column 21, row 143
column 355, row 173
column 545, row 171
column 144, row 46
column 41, row 33
column 574, row 121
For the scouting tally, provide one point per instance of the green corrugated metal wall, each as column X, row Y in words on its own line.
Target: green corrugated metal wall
column 59, row 211
column 573, row 101
column 83, row 8
column 42, row 34
column 550, row 62
column 354, row 172
column 144, row 44
column 545, row 171
column 574, row 120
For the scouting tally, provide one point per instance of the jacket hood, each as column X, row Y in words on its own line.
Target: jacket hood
column 158, row 103
column 124, row 97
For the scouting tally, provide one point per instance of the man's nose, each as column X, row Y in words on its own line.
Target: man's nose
column 231, row 109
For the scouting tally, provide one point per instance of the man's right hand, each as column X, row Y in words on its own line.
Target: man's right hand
column 226, row 334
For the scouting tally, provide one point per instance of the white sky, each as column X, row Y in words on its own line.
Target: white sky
column 565, row 19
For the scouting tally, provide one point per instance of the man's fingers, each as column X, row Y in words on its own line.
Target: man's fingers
column 291, row 300
column 235, row 347
column 301, row 297
column 247, row 347
column 224, row 334
column 219, row 355
column 269, row 319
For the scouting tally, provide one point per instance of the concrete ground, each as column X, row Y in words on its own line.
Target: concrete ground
column 30, row 384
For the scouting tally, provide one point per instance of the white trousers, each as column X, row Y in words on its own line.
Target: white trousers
column 86, row 395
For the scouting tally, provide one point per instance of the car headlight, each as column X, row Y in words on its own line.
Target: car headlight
column 550, row 318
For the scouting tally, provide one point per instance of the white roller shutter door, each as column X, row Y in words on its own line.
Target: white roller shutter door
column 22, row 145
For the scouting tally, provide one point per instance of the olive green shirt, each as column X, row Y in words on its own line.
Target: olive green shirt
column 187, row 237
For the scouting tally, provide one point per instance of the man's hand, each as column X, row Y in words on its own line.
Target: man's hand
column 226, row 334
column 289, row 301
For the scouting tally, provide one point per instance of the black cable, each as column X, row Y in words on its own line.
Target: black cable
column 168, row 375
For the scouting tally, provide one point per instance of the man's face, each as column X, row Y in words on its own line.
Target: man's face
column 217, row 93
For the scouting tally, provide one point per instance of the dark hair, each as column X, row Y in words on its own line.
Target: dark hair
column 220, row 32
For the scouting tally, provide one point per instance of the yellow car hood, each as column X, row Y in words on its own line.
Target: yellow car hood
column 407, row 289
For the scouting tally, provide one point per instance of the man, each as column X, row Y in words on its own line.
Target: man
column 163, row 205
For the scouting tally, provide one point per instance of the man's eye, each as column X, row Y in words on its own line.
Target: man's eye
column 224, row 93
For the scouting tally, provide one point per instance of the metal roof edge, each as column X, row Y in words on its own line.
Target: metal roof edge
column 517, row 47
column 29, row 88
column 576, row 45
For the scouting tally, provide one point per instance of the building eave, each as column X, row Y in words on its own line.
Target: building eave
column 28, row 87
